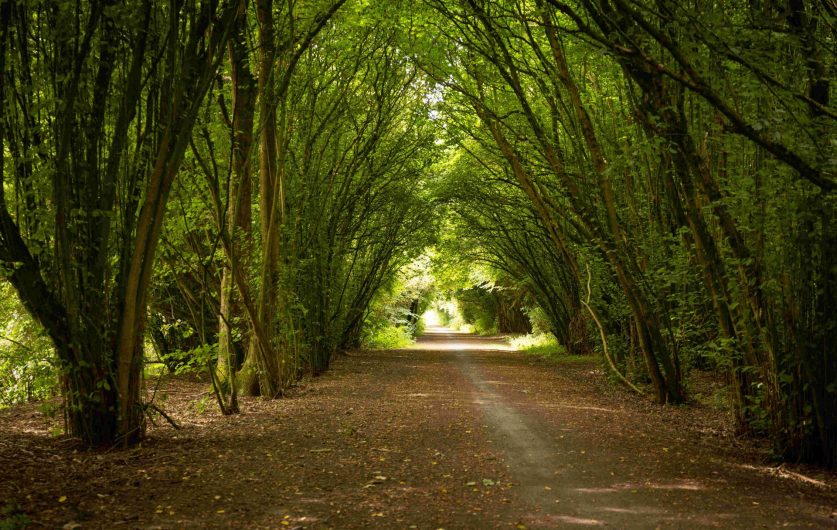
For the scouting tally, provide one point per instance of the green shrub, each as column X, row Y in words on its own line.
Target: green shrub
column 540, row 321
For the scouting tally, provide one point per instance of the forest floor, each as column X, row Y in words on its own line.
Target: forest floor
column 457, row 431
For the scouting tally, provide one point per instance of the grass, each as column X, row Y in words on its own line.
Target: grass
column 388, row 338
column 545, row 345
column 12, row 518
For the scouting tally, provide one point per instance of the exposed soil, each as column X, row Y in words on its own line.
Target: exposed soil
column 455, row 432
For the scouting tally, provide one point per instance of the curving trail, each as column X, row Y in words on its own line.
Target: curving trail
column 455, row 432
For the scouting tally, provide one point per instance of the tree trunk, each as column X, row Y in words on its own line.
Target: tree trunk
column 238, row 219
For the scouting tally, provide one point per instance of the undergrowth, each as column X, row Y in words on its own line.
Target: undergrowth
column 545, row 345
column 388, row 337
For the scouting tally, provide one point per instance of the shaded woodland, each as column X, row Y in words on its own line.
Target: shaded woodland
column 248, row 188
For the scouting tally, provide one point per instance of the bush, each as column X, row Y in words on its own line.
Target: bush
column 540, row 321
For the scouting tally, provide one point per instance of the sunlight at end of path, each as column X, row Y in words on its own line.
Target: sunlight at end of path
column 431, row 319
column 441, row 338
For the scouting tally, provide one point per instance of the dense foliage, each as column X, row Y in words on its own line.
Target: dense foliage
column 650, row 179
column 663, row 171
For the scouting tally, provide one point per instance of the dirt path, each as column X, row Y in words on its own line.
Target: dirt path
column 456, row 432
column 580, row 460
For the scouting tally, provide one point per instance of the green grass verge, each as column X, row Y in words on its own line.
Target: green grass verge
column 388, row 338
column 546, row 346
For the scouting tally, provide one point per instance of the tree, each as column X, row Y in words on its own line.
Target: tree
column 100, row 100
column 728, row 68
column 349, row 141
